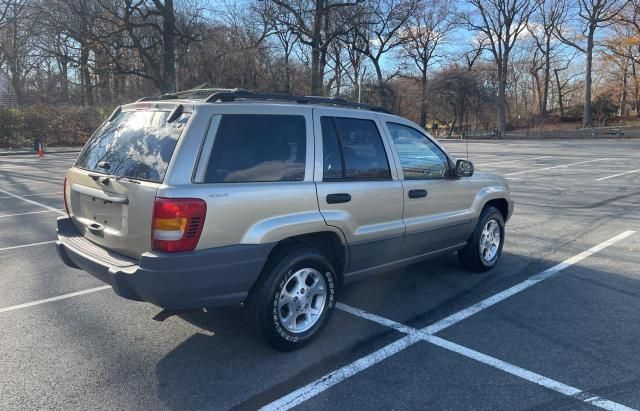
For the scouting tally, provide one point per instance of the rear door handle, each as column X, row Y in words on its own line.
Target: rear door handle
column 417, row 193
column 338, row 198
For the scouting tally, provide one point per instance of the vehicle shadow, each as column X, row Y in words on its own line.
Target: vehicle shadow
column 227, row 365
column 206, row 370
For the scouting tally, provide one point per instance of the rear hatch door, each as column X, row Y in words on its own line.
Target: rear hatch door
column 112, row 187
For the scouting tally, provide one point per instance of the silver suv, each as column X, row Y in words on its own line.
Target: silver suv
column 270, row 201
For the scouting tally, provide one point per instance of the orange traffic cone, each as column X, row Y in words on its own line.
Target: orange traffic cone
column 40, row 151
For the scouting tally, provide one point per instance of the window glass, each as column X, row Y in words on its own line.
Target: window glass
column 258, row 148
column 420, row 158
column 364, row 156
column 333, row 167
column 135, row 144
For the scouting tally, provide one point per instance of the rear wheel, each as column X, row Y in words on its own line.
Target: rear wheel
column 484, row 248
column 294, row 299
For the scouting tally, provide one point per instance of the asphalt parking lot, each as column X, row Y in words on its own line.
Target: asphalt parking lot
column 555, row 326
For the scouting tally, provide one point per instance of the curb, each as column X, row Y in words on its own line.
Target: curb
column 25, row 153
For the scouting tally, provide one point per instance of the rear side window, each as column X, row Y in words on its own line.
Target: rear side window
column 358, row 145
column 135, row 144
column 258, row 148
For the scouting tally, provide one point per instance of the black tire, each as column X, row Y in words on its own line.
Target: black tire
column 265, row 296
column 470, row 256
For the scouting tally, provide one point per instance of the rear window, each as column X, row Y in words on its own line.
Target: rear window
column 135, row 144
column 258, row 148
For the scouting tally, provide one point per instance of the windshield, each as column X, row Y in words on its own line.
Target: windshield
column 135, row 144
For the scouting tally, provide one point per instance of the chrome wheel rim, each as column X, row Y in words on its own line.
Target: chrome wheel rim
column 302, row 300
column 490, row 241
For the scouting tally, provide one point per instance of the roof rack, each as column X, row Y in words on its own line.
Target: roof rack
column 211, row 95
column 195, row 93
column 235, row 94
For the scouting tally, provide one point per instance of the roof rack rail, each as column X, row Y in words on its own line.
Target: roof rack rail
column 235, row 94
column 195, row 93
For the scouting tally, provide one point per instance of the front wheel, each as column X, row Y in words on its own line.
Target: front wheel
column 294, row 299
column 484, row 248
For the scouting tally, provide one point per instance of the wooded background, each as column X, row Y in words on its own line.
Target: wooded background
column 458, row 65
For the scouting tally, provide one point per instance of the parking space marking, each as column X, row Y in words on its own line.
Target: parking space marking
column 30, row 212
column 316, row 387
column 52, row 299
column 513, row 161
column 488, row 302
column 491, row 361
column 618, row 175
column 34, row 195
column 32, row 202
column 309, row 391
column 26, row 245
column 560, row 166
column 28, row 183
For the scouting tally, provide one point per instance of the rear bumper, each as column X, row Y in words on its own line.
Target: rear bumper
column 207, row 278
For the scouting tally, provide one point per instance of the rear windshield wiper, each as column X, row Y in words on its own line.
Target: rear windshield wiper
column 105, row 178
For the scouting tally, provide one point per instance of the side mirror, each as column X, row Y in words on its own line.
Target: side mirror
column 464, row 168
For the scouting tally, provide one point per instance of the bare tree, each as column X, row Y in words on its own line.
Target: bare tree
column 382, row 33
column 593, row 14
column 501, row 22
column 314, row 22
column 425, row 34
column 545, row 20
column 17, row 37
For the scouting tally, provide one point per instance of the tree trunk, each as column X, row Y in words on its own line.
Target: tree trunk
column 623, row 97
column 86, row 75
column 453, row 123
column 636, row 82
column 321, row 67
column 502, row 101
column 546, row 79
column 64, row 79
column 169, row 48
column 287, row 72
column 559, row 87
column 587, row 116
column 383, row 93
column 316, row 39
column 423, row 100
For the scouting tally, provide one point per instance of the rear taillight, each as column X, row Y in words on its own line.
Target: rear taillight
column 177, row 223
column 64, row 193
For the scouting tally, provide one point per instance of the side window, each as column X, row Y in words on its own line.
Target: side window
column 332, row 154
column 420, row 158
column 258, row 148
column 353, row 150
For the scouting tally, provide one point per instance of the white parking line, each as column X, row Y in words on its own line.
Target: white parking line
column 32, row 202
column 30, row 212
column 491, row 361
column 29, row 183
column 560, row 166
column 316, row 387
column 52, row 299
column 618, row 175
column 513, row 161
column 26, row 245
column 35, row 195
column 488, row 302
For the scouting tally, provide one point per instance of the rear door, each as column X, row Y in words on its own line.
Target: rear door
column 436, row 204
column 358, row 189
column 112, row 187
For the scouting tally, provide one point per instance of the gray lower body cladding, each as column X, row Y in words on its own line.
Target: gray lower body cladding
column 207, row 278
